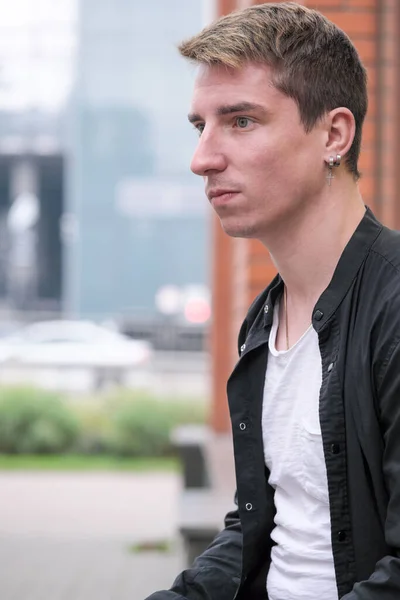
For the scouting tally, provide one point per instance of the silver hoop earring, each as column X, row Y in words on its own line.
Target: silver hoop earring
column 337, row 161
column 333, row 162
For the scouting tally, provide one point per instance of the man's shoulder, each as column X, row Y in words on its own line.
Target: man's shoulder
column 381, row 282
column 387, row 248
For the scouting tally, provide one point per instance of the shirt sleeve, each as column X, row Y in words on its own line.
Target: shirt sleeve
column 215, row 574
column 384, row 583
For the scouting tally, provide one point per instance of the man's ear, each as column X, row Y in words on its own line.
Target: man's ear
column 341, row 127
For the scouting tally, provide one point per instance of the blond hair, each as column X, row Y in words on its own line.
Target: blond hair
column 312, row 60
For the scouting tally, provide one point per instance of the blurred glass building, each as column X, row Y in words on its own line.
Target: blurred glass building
column 135, row 219
column 37, row 42
column 98, row 209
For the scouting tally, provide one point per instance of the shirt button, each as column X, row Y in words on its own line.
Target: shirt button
column 266, row 309
column 242, row 426
column 318, row 315
column 335, row 448
column 341, row 536
column 249, row 506
column 330, row 367
column 242, row 347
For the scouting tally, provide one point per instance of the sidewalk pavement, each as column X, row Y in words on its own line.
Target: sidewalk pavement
column 69, row 536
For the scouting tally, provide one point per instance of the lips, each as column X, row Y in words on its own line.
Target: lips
column 219, row 198
column 218, row 192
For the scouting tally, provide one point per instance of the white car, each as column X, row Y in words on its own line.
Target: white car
column 79, row 345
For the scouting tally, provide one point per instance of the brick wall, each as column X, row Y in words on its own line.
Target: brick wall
column 374, row 27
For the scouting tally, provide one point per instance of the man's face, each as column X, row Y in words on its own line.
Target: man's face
column 261, row 169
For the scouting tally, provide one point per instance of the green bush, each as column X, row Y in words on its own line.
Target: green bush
column 141, row 426
column 93, row 417
column 34, row 421
column 126, row 423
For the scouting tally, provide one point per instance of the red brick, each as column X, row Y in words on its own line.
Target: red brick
column 252, row 294
column 371, row 75
column 352, row 23
column 367, row 185
column 226, row 6
column 260, row 274
column 366, row 49
column 369, row 131
column 367, row 161
column 256, row 251
column 361, row 4
column 372, row 105
column 342, row 5
column 321, row 4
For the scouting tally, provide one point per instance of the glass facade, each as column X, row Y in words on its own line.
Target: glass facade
column 135, row 217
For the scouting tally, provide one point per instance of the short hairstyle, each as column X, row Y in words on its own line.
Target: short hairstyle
column 312, row 60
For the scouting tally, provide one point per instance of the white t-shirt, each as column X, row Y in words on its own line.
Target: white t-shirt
column 302, row 565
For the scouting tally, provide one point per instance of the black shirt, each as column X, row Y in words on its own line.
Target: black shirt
column 357, row 319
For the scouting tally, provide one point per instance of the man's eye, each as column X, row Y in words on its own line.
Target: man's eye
column 242, row 122
column 199, row 128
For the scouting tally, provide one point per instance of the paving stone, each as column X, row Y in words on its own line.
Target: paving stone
column 69, row 536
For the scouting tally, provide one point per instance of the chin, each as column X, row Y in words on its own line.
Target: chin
column 239, row 230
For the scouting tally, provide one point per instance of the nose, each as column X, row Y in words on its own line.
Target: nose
column 208, row 156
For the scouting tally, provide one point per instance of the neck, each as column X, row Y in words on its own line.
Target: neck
column 307, row 247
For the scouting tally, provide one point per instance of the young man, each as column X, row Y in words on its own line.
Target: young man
column 279, row 104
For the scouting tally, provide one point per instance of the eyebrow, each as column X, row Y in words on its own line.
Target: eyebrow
column 228, row 109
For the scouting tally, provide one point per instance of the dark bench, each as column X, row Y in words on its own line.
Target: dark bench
column 190, row 442
column 208, row 486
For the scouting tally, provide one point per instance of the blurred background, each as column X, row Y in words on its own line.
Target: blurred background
column 104, row 293
column 96, row 203
column 120, row 297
